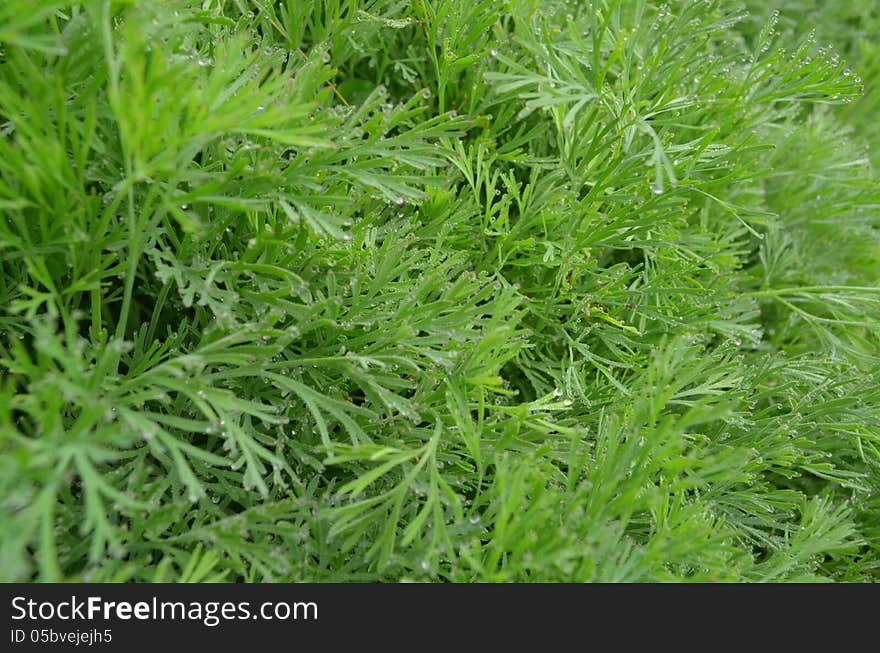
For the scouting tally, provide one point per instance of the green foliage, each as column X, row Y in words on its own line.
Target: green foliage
column 390, row 290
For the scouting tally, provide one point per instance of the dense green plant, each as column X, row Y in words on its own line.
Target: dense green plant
column 439, row 290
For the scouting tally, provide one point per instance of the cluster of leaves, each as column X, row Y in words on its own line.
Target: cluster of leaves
column 495, row 290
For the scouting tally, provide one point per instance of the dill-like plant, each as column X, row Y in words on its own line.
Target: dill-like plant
column 439, row 290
